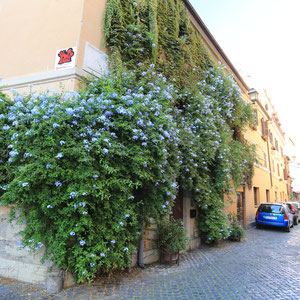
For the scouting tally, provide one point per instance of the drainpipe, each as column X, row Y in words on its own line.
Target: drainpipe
column 141, row 248
column 244, row 207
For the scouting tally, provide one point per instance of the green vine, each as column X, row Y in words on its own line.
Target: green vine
column 214, row 157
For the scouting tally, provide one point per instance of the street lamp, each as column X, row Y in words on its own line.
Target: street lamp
column 253, row 94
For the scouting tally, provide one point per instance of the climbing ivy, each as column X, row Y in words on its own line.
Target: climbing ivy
column 214, row 157
column 159, row 32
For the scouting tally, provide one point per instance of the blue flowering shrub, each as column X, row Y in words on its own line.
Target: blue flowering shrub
column 213, row 162
column 5, row 176
column 214, row 157
column 85, row 170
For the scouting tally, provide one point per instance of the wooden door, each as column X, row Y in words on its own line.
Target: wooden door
column 178, row 206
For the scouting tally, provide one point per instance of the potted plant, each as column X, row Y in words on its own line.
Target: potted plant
column 236, row 231
column 171, row 238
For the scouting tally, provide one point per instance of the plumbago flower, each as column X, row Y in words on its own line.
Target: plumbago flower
column 211, row 155
column 118, row 163
column 122, row 149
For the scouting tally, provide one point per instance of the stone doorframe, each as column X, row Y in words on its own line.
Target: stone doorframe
column 182, row 210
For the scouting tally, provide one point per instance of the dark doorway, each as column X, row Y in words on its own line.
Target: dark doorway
column 178, row 206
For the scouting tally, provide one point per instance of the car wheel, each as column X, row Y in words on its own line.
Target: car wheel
column 258, row 226
column 288, row 228
column 296, row 221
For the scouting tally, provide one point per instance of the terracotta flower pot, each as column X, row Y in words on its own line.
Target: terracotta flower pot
column 171, row 258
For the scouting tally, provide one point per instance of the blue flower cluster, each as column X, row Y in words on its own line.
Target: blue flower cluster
column 118, row 150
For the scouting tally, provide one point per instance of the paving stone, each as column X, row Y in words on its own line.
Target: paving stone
column 264, row 266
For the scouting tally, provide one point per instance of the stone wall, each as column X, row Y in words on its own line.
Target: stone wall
column 20, row 264
column 24, row 266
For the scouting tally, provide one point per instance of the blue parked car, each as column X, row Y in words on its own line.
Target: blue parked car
column 274, row 214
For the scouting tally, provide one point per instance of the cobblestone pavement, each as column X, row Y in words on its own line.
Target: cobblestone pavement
column 264, row 266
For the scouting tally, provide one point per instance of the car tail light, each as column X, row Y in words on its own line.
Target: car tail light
column 257, row 213
column 286, row 216
column 293, row 209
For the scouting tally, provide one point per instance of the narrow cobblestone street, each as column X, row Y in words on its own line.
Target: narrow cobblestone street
column 264, row 266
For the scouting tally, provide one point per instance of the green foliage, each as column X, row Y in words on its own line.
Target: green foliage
column 86, row 169
column 214, row 161
column 236, row 231
column 243, row 163
column 159, row 32
column 214, row 157
column 171, row 235
column 5, row 105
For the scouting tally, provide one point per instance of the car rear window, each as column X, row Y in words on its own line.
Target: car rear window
column 274, row 209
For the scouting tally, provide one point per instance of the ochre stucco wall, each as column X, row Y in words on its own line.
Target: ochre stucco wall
column 265, row 172
column 31, row 31
column 92, row 27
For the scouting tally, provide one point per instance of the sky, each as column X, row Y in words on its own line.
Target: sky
column 262, row 40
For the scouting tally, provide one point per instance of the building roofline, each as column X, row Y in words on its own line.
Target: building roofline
column 263, row 109
column 214, row 42
column 292, row 141
column 275, row 117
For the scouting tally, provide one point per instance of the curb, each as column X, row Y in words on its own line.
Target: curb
column 251, row 225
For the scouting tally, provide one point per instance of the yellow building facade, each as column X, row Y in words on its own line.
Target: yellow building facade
column 271, row 175
column 271, row 180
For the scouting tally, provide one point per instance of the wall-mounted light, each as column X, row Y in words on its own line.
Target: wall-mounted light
column 253, row 94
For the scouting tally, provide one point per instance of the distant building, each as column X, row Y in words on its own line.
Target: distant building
column 294, row 169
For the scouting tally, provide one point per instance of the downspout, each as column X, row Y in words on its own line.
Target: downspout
column 244, row 207
column 141, row 247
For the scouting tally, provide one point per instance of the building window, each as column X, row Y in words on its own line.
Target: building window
column 273, row 165
column 278, row 170
column 256, row 195
column 265, row 160
column 281, row 151
column 255, row 117
column 276, row 145
column 276, row 197
column 262, row 124
column 267, row 195
column 264, row 129
column 271, row 138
